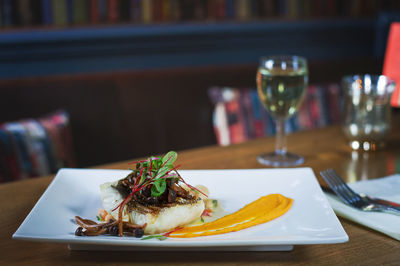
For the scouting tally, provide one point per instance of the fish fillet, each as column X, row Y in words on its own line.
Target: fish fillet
column 164, row 220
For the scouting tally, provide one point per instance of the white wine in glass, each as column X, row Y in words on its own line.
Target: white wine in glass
column 281, row 84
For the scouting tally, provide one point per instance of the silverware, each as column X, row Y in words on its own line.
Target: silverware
column 358, row 201
column 373, row 199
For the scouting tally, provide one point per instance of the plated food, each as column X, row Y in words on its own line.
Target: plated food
column 155, row 200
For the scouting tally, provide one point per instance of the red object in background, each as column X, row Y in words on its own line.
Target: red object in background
column 94, row 11
column 113, row 11
column 391, row 65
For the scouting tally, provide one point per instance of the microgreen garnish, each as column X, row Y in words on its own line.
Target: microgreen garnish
column 158, row 187
column 159, row 237
column 154, row 173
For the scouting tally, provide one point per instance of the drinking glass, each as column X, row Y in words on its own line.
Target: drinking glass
column 281, row 84
column 366, row 114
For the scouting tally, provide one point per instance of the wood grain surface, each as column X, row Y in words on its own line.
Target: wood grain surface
column 322, row 148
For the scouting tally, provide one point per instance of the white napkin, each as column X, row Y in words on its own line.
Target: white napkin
column 385, row 188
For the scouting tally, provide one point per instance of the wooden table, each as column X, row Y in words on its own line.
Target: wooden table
column 322, row 148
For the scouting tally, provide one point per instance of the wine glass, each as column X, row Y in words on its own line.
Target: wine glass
column 281, row 84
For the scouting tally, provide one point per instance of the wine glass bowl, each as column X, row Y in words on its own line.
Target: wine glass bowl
column 281, row 84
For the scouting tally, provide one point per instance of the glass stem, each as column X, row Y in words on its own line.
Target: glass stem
column 280, row 147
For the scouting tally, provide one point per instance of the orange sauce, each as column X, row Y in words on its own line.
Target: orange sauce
column 260, row 211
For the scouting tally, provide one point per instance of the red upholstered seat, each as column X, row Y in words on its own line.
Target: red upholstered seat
column 239, row 115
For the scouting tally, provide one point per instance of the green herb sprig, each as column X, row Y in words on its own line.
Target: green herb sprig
column 159, row 237
column 155, row 171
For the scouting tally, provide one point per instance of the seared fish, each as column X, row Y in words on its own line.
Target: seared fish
column 158, row 219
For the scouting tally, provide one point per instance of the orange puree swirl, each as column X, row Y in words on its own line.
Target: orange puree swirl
column 260, row 211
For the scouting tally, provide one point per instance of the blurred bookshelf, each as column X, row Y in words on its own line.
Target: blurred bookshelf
column 56, row 37
column 25, row 14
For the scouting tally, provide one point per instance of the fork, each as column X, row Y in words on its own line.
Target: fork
column 361, row 202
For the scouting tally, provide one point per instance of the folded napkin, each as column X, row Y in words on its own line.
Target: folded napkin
column 385, row 188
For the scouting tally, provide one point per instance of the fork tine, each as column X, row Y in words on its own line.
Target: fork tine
column 333, row 184
column 354, row 196
column 339, row 187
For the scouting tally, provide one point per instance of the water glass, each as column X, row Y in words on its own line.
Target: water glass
column 366, row 116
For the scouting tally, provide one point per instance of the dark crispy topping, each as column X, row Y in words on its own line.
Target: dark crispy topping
column 144, row 197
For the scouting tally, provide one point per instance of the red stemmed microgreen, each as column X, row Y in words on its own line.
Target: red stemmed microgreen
column 190, row 186
column 172, row 231
column 161, row 167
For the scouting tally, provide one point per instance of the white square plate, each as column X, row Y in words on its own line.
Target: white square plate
column 310, row 220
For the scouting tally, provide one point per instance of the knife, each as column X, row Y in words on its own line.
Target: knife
column 392, row 204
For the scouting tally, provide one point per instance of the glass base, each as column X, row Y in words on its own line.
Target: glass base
column 366, row 145
column 280, row 160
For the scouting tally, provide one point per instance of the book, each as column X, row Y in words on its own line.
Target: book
column 80, row 10
column 113, row 11
column 220, row 9
column 59, row 10
column 211, row 9
column 175, row 10
column 230, row 9
column 135, row 10
column 25, row 12
column 6, row 13
column 47, row 15
column 282, row 8
column 291, row 9
column 15, row 14
column 187, row 8
column 268, row 8
column 243, row 9
column 70, row 11
column 124, row 10
column 166, row 10
column 199, row 11
column 102, row 9
column 157, row 9
column 36, row 12
column 94, row 14
column 147, row 11
column 254, row 9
